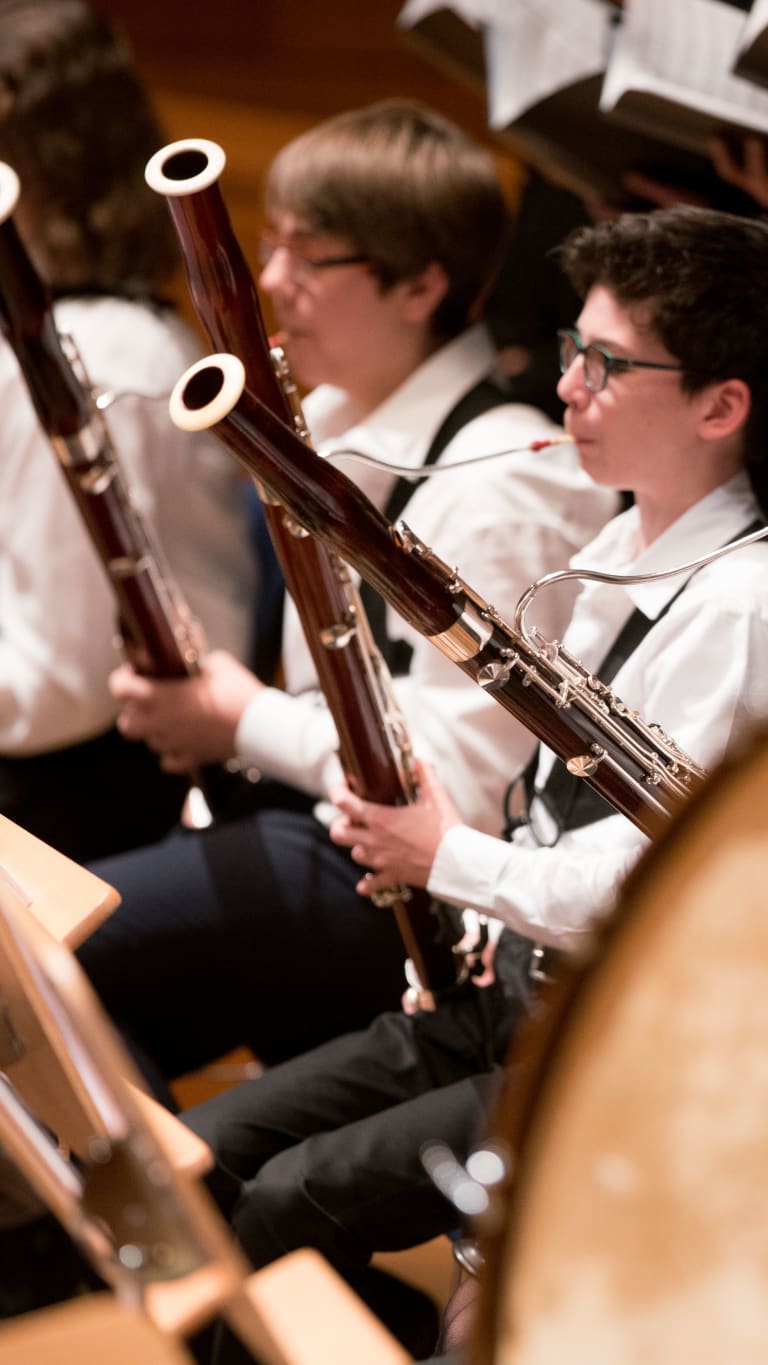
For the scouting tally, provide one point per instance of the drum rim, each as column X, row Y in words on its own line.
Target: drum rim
column 531, row 1067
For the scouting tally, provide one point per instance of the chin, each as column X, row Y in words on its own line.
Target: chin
column 590, row 462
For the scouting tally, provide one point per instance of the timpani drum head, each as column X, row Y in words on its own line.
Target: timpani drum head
column 637, row 1227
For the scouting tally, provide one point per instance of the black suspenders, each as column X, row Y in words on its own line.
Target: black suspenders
column 480, row 399
column 569, row 800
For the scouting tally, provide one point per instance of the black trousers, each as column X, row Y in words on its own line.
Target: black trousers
column 248, row 932
column 92, row 799
column 324, row 1151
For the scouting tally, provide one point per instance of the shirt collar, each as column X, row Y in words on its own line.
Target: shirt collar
column 721, row 516
column 404, row 424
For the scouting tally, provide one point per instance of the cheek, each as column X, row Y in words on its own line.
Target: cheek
column 306, row 362
column 324, row 351
column 646, row 455
column 619, row 452
column 347, row 329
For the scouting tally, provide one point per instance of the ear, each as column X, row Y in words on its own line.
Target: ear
column 725, row 409
column 423, row 293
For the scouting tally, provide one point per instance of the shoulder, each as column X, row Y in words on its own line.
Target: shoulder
column 546, row 482
column 26, row 455
column 122, row 340
column 505, row 432
column 326, row 412
column 736, row 582
column 524, row 417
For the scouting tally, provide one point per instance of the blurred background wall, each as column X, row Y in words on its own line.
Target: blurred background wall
column 251, row 74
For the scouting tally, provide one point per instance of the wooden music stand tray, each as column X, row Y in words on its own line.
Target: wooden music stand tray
column 334, row 1328
column 88, row 1331
column 70, row 901
column 149, row 1228
column 36, row 1049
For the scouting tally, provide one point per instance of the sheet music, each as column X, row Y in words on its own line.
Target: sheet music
column 755, row 22
column 475, row 13
column 535, row 51
column 532, row 47
column 682, row 53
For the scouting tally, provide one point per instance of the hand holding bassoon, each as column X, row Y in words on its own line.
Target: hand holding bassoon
column 189, row 722
column 395, row 842
column 634, row 765
column 373, row 745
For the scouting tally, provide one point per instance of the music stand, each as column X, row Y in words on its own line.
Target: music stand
column 149, row 1229
column 69, row 900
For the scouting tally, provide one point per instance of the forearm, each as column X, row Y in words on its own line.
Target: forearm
column 291, row 739
column 552, row 895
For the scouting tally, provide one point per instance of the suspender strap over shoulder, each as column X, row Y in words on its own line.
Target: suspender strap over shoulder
column 570, row 800
column 484, row 396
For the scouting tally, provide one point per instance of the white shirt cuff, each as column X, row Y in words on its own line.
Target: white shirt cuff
column 288, row 738
column 467, row 867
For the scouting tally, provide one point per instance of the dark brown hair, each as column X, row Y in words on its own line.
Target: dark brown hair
column 703, row 276
column 77, row 127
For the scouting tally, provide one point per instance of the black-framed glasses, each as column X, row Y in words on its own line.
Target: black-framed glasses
column 303, row 265
column 599, row 363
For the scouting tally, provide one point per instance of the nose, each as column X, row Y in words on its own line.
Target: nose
column 571, row 388
column 276, row 275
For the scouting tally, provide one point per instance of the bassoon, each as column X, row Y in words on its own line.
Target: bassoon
column 155, row 622
column 374, row 747
column 634, row 765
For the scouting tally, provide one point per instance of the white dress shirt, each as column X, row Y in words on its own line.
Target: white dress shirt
column 502, row 522
column 702, row 674
column 57, row 614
